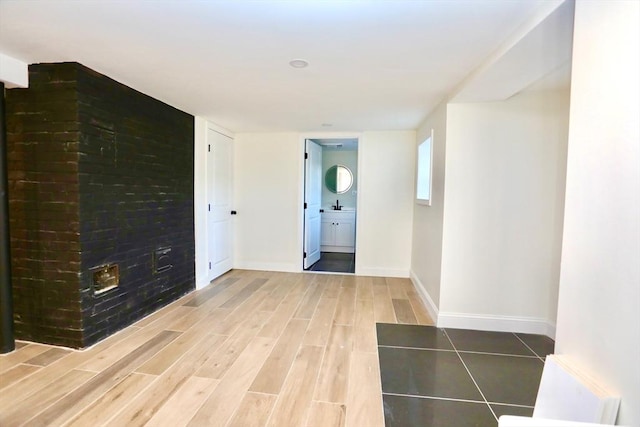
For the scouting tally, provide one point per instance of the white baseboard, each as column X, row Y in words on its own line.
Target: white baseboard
column 381, row 272
column 268, row 266
column 526, row 325
column 339, row 249
column 431, row 306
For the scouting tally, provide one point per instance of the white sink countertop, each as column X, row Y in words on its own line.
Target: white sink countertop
column 343, row 209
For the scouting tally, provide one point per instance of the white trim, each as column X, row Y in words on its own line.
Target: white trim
column 268, row 266
column 420, row 201
column 303, row 136
column 485, row 322
column 200, row 125
column 431, row 306
column 380, row 272
column 528, row 325
column 340, row 249
column 224, row 131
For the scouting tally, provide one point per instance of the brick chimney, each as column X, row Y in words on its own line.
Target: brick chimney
column 100, row 204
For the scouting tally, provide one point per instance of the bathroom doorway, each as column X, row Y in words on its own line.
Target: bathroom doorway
column 331, row 189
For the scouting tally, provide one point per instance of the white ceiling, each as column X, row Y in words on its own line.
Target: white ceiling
column 540, row 60
column 374, row 65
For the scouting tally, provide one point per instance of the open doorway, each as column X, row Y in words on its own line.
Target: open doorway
column 331, row 188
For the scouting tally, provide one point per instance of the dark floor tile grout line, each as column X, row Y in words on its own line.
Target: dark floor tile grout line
column 469, row 372
column 426, row 400
column 530, row 349
column 415, row 348
column 523, row 356
column 418, row 396
column 510, row 404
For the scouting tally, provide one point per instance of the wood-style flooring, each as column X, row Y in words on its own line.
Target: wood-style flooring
column 254, row 348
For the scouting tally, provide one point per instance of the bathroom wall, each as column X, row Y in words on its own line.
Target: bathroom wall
column 331, row 157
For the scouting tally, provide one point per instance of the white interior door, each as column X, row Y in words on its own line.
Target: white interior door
column 220, row 199
column 313, row 201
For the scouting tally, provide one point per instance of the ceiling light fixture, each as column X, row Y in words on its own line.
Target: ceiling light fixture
column 299, row 63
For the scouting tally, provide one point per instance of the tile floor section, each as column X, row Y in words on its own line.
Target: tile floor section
column 454, row 377
column 335, row 262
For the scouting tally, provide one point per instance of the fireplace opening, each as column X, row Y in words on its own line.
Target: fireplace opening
column 105, row 277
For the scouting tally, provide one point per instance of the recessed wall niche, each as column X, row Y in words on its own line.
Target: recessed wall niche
column 105, row 278
column 100, row 175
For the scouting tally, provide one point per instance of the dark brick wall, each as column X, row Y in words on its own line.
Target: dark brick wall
column 42, row 155
column 126, row 190
column 136, row 196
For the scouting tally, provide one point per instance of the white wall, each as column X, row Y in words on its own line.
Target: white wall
column 13, row 73
column 385, row 203
column 269, row 196
column 599, row 305
column 428, row 220
column 504, row 189
column 267, row 192
column 345, row 158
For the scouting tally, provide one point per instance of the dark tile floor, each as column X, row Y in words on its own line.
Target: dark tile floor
column 456, row 377
column 335, row 262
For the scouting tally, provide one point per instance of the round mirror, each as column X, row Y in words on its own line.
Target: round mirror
column 338, row 179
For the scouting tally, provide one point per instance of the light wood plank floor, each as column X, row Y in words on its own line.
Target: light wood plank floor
column 254, row 348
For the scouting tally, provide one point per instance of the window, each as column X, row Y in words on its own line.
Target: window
column 423, row 180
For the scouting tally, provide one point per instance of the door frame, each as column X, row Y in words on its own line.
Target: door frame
column 224, row 215
column 312, row 203
column 200, row 211
column 301, row 148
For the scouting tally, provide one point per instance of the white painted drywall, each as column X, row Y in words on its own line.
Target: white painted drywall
column 13, row 73
column 599, row 305
column 428, row 220
column 345, row 158
column 385, row 203
column 505, row 170
column 267, row 192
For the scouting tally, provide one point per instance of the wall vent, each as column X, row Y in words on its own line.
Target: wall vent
column 162, row 260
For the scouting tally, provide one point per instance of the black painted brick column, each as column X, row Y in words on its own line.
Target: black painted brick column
column 42, row 135
column 99, row 174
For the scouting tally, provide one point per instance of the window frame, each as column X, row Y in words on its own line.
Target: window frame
column 424, row 159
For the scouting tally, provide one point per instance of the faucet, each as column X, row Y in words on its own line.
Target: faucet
column 337, row 205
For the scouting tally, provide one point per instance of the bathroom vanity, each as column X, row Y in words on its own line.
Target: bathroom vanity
column 338, row 231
